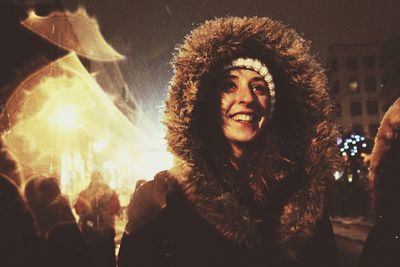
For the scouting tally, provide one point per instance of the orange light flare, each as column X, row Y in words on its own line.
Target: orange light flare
column 64, row 124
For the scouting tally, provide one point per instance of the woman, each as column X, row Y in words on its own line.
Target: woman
column 382, row 247
column 249, row 122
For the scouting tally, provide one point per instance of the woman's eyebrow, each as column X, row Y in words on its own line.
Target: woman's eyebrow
column 258, row 79
column 229, row 77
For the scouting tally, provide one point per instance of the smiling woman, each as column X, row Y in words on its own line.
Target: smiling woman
column 244, row 107
column 250, row 124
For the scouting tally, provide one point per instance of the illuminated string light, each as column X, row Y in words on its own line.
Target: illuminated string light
column 353, row 145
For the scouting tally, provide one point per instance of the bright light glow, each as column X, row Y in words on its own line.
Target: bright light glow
column 344, row 154
column 364, row 145
column 109, row 165
column 350, row 178
column 63, row 124
column 358, row 171
column 353, row 86
column 99, row 146
column 65, row 118
column 337, row 175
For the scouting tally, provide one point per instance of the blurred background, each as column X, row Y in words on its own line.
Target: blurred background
column 358, row 42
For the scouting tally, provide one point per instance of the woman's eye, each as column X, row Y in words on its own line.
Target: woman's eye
column 228, row 86
column 260, row 89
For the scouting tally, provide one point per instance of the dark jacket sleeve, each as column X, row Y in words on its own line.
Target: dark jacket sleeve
column 144, row 241
column 384, row 166
column 321, row 250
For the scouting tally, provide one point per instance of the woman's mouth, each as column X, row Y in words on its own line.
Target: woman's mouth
column 245, row 117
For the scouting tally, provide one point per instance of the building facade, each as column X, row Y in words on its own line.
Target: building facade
column 390, row 72
column 354, row 72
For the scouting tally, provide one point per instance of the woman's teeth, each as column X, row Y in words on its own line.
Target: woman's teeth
column 244, row 117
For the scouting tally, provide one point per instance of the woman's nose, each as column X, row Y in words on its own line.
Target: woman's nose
column 245, row 94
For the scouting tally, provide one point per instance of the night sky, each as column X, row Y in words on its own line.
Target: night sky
column 324, row 22
column 147, row 31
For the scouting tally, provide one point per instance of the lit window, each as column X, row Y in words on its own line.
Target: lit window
column 354, row 86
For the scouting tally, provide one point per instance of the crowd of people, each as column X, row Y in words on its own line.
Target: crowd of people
column 252, row 129
column 38, row 228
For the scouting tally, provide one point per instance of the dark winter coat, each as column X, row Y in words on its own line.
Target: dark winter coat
column 382, row 247
column 20, row 246
column 199, row 215
column 97, row 207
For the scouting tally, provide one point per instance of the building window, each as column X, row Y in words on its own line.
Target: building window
column 368, row 62
column 386, row 106
column 336, row 87
column 334, row 64
column 357, row 128
column 372, row 107
column 355, row 108
column 370, row 83
column 352, row 63
column 373, row 129
column 354, row 85
column 338, row 109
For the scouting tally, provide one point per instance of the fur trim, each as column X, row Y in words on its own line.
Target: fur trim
column 313, row 154
column 384, row 164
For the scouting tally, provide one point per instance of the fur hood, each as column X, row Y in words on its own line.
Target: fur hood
column 384, row 166
column 305, row 133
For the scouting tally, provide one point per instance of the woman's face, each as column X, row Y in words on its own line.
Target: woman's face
column 244, row 105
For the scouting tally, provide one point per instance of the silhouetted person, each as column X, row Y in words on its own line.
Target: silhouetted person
column 97, row 207
column 63, row 244
column 19, row 243
column 382, row 247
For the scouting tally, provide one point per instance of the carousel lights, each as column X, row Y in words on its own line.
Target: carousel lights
column 353, row 145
